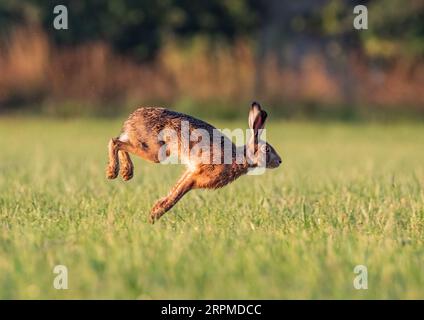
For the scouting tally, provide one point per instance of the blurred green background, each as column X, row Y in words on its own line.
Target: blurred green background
column 211, row 58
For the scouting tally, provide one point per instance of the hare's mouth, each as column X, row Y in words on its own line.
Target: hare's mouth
column 274, row 164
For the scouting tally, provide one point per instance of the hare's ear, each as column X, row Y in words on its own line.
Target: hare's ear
column 257, row 118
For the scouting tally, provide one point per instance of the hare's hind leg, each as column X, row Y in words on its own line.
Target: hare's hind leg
column 119, row 157
column 184, row 184
column 127, row 167
column 113, row 166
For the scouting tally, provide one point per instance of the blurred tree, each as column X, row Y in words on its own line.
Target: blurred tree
column 138, row 28
column 396, row 29
column 133, row 27
column 14, row 12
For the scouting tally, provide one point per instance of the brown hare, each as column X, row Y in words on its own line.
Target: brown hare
column 212, row 166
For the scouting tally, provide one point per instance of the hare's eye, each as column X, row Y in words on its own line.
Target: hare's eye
column 265, row 148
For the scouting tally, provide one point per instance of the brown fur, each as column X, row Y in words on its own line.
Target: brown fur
column 140, row 137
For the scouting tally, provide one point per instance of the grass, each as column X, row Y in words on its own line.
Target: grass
column 346, row 195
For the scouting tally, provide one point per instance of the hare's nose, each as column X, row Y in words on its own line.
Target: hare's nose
column 280, row 161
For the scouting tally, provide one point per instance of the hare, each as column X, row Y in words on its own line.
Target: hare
column 141, row 135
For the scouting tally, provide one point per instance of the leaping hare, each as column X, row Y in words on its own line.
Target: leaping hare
column 142, row 135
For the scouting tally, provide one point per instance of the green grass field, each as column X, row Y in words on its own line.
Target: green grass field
column 346, row 195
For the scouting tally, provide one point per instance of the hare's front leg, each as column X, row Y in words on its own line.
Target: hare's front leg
column 184, row 185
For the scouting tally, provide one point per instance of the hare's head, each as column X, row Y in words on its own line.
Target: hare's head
column 259, row 152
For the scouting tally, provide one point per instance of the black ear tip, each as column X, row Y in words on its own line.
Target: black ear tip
column 264, row 114
column 254, row 103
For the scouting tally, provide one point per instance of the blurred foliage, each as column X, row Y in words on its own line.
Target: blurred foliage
column 140, row 27
column 134, row 27
column 395, row 29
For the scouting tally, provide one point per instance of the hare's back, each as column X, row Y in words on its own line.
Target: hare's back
column 150, row 120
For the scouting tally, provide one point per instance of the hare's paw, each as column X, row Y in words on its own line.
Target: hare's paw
column 127, row 172
column 152, row 219
column 158, row 210
column 112, row 171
